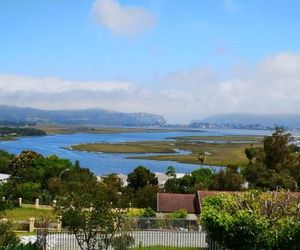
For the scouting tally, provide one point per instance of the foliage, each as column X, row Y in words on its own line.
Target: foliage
column 148, row 213
column 171, row 171
column 251, row 220
column 7, row 236
column 275, row 165
column 4, row 131
column 179, row 214
column 289, row 234
column 228, row 179
column 5, row 159
column 145, row 197
column 135, row 212
column 87, row 212
column 141, row 177
column 203, row 179
column 122, row 242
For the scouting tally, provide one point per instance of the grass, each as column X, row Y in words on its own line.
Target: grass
column 24, row 214
column 165, row 248
column 6, row 138
column 231, row 138
column 219, row 154
column 127, row 147
column 71, row 129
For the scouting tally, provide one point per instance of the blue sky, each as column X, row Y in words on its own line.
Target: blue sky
column 147, row 44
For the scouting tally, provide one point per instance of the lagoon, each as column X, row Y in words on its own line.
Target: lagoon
column 102, row 163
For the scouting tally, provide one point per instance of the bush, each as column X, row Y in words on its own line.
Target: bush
column 179, row 214
column 7, row 236
column 252, row 220
column 122, row 242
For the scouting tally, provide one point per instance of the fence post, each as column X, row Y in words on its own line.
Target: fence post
column 31, row 225
column 37, row 203
column 20, row 202
column 59, row 225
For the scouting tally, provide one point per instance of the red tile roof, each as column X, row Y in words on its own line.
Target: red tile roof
column 170, row 202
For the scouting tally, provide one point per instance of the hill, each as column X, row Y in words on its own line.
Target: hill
column 79, row 117
column 254, row 120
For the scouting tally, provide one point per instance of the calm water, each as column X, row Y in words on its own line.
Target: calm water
column 101, row 163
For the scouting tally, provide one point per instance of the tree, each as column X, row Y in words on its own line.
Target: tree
column 202, row 177
column 89, row 215
column 5, row 159
column 146, row 197
column 141, row 177
column 23, row 161
column 275, row 165
column 171, row 171
column 227, row 179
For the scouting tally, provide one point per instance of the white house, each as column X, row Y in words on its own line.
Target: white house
column 4, row 178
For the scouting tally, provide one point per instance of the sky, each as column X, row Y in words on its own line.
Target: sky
column 185, row 60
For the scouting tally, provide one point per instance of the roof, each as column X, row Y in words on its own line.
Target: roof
column 170, row 202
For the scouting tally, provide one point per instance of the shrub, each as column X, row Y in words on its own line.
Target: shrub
column 122, row 242
column 253, row 220
column 179, row 214
column 7, row 236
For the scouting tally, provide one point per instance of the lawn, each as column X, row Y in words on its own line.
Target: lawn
column 23, row 214
column 166, row 248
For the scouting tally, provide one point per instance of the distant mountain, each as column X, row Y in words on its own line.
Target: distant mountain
column 80, row 117
column 263, row 121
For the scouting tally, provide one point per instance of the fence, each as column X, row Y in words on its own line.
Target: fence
column 143, row 234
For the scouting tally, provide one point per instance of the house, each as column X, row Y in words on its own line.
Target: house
column 171, row 202
column 4, row 178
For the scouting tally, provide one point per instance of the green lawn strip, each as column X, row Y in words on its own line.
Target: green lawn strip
column 166, row 248
column 25, row 234
column 24, row 214
column 128, row 147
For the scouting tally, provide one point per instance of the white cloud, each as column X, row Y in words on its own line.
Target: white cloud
column 122, row 20
column 271, row 86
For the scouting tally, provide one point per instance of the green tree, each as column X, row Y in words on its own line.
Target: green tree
column 141, row 177
column 90, row 216
column 146, row 197
column 228, row 179
column 275, row 165
column 202, row 177
column 171, row 171
column 20, row 163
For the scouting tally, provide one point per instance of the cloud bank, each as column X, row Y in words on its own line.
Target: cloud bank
column 122, row 20
column 272, row 86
